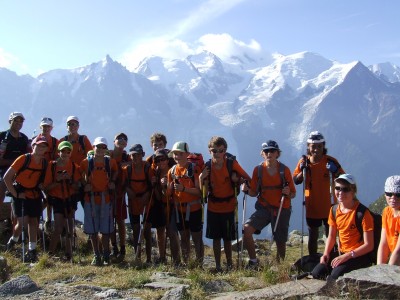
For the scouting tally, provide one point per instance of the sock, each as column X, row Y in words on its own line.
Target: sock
column 32, row 245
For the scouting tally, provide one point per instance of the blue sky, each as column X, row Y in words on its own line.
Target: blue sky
column 37, row 36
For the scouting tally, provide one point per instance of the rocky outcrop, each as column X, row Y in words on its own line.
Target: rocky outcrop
column 376, row 282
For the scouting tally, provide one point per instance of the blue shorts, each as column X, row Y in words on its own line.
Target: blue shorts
column 263, row 216
column 98, row 218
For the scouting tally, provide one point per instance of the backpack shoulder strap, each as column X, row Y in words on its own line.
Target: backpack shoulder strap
column 81, row 140
column 25, row 164
column 43, row 171
column 282, row 173
column 90, row 165
column 54, row 141
column 147, row 166
column 107, row 165
column 53, row 169
column 334, row 208
column 259, row 178
column 190, row 171
column 173, row 172
column 359, row 217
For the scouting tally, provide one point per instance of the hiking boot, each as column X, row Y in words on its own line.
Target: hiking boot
column 218, row 269
column 47, row 226
column 160, row 261
column 10, row 245
column 67, row 257
column 253, row 265
column 106, row 259
column 114, row 251
column 31, row 256
column 229, row 266
column 96, row 260
column 122, row 253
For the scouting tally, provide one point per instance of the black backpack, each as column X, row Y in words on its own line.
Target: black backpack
column 81, row 141
column 147, row 179
column 230, row 158
column 107, row 167
column 377, row 227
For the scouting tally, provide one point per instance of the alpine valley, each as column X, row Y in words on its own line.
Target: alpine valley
column 244, row 99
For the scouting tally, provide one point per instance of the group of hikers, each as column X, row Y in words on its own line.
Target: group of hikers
column 169, row 190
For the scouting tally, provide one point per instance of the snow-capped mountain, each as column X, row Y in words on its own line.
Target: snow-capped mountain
column 196, row 97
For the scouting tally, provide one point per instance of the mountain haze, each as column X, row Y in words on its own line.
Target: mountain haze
column 244, row 100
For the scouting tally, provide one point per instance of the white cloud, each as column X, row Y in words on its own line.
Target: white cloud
column 11, row 62
column 5, row 59
column 225, row 46
column 222, row 45
column 171, row 46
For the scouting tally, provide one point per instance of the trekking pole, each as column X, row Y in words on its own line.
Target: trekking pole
column 23, row 230
column 43, row 237
column 303, row 210
column 243, row 217
column 66, row 215
column 280, row 209
column 237, row 228
column 138, row 246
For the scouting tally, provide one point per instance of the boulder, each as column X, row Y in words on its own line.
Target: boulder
column 376, row 282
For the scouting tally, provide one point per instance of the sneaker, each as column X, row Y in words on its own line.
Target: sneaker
column 114, row 251
column 31, row 256
column 96, row 260
column 10, row 245
column 106, row 259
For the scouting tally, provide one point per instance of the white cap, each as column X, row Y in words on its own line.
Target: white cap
column 347, row 177
column 315, row 137
column 100, row 141
column 72, row 118
column 16, row 114
column 46, row 121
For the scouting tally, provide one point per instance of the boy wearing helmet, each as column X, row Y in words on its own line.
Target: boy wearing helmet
column 320, row 171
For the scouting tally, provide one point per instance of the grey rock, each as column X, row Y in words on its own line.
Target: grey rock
column 163, row 285
column 4, row 269
column 168, row 277
column 178, row 293
column 18, row 286
column 294, row 289
column 376, row 282
column 107, row 294
column 218, row 286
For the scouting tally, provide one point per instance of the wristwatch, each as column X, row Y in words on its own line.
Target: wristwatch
column 353, row 254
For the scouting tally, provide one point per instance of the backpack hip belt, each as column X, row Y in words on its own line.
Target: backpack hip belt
column 220, row 199
column 187, row 213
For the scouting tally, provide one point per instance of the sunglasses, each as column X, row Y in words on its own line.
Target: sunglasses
column 397, row 195
column 269, row 150
column 342, row 189
column 217, row 151
column 72, row 124
column 160, row 159
column 121, row 138
column 101, row 147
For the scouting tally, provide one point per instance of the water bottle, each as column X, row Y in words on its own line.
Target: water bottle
column 3, row 148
